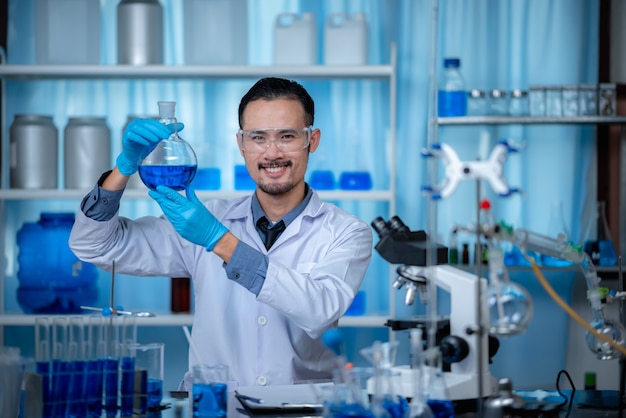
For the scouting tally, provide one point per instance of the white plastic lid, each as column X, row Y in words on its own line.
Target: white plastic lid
column 167, row 110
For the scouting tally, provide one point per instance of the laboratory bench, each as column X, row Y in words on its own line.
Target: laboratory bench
column 180, row 408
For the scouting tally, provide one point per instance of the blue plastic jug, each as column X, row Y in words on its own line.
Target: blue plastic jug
column 51, row 278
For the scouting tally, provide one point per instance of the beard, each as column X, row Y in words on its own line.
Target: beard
column 276, row 189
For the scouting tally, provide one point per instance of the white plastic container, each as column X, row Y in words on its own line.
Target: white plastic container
column 295, row 39
column 216, row 32
column 345, row 39
column 67, row 32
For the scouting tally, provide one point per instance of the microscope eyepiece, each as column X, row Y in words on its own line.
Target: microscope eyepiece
column 381, row 227
column 397, row 225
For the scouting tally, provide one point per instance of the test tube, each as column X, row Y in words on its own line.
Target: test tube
column 77, row 403
column 95, row 364
column 111, row 365
column 60, row 366
column 128, row 338
column 42, row 361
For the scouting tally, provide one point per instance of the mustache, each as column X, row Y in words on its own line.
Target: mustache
column 275, row 164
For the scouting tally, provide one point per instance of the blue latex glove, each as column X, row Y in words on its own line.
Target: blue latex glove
column 189, row 216
column 140, row 137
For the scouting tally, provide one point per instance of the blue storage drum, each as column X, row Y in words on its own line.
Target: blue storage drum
column 52, row 279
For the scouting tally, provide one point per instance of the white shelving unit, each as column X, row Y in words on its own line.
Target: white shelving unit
column 21, row 73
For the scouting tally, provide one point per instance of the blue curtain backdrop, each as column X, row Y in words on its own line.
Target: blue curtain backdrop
column 501, row 44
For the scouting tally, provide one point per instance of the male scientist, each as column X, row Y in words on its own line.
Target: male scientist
column 261, row 307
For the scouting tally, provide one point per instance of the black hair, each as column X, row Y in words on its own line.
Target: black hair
column 273, row 88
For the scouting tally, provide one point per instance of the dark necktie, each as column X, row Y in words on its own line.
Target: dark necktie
column 270, row 233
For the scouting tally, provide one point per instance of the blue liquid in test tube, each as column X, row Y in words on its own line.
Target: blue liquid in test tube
column 127, row 386
column 77, row 401
column 43, row 370
column 94, row 387
column 441, row 408
column 111, row 386
column 60, row 386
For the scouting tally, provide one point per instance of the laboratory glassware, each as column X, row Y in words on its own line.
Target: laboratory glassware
column 570, row 101
column 172, row 162
column 498, row 102
column 607, row 99
column 599, row 246
column 537, row 100
column 554, row 101
column 384, row 399
column 476, row 103
column 149, row 358
column 556, row 228
column 510, row 305
column 518, row 104
column 209, row 394
column 418, row 407
column 587, row 99
column 452, row 98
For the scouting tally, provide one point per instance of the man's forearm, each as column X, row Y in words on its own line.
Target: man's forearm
column 115, row 181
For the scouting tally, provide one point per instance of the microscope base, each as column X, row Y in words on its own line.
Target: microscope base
column 459, row 386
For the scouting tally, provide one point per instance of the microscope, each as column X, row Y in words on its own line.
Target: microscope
column 465, row 345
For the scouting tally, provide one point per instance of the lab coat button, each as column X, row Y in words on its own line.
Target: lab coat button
column 261, row 380
column 262, row 320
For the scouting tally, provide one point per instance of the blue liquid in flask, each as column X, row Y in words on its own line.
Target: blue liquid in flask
column 177, row 177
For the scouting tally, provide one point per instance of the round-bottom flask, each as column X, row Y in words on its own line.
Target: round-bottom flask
column 172, row 162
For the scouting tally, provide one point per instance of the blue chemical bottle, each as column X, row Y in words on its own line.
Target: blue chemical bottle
column 452, row 97
column 51, row 278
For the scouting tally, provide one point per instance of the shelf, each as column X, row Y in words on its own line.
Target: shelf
column 91, row 72
column 528, row 120
column 52, row 194
column 179, row 320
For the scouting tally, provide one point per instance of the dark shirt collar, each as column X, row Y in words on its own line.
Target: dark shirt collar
column 257, row 211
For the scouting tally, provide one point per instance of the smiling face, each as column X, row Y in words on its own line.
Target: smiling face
column 277, row 172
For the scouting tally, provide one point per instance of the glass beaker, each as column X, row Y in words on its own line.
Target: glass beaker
column 172, row 162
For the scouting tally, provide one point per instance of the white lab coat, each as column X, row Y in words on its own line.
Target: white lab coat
column 316, row 267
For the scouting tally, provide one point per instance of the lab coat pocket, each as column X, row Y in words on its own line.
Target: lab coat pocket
column 305, row 267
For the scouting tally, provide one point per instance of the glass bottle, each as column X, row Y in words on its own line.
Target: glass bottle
column 465, row 253
column 599, row 246
column 452, row 98
column 173, row 162
column 453, row 255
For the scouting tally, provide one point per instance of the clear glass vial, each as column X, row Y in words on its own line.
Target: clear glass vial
column 498, row 103
column 587, row 99
column 476, row 103
column 518, row 105
column 173, row 162
column 554, row 101
column 537, row 100
column 570, row 100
